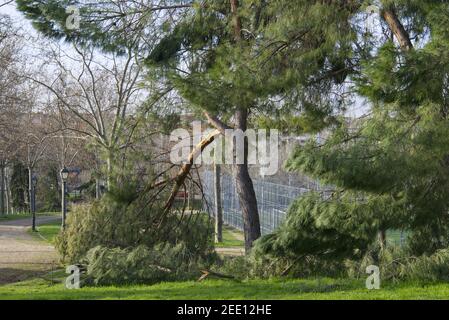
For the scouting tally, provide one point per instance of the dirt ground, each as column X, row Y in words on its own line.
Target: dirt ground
column 21, row 255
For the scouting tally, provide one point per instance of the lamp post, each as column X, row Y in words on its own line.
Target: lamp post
column 33, row 200
column 64, row 176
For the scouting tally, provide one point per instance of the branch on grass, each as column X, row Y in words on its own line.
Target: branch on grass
column 210, row 273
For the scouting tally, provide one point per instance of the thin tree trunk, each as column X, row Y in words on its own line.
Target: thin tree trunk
column 8, row 193
column 245, row 190
column 97, row 189
column 218, row 204
column 30, row 185
column 383, row 239
column 2, row 188
column 189, row 196
column 109, row 169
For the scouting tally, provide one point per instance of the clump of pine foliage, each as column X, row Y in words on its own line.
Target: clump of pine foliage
column 113, row 224
column 143, row 265
column 126, row 237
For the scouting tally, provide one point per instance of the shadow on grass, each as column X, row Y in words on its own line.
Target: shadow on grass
column 13, row 275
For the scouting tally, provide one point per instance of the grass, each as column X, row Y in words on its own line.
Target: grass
column 231, row 238
column 47, row 231
column 313, row 289
column 51, row 287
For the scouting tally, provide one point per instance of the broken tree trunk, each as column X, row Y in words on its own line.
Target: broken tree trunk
column 185, row 169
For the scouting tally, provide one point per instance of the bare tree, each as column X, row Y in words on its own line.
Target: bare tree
column 11, row 99
column 96, row 97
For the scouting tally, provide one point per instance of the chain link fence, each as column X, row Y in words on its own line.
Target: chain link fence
column 273, row 200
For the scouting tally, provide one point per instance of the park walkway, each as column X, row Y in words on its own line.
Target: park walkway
column 21, row 255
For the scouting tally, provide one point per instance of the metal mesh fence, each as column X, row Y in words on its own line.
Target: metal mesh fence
column 273, row 200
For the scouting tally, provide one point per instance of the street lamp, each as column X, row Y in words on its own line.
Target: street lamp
column 33, row 200
column 64, row 177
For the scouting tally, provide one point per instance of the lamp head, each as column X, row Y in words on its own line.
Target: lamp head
column 64, row 174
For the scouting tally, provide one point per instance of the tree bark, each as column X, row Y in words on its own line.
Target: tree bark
column 97, row 189
column 383, row 239
column 218, row 205
column 8, row 193
column 109, row 168
column 2, row 188
column 245, row 190
column 30, row 185
column 236, row 20
column 397, row 28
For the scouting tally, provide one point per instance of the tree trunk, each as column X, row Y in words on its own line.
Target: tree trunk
column 109, row 162
column 397, row 28
column 30, row 186
column 8, row 193
column 383, row 239
column 32, row 198
column 245, row 189
column 2, row 188
column 218, row 205
column 97, row 189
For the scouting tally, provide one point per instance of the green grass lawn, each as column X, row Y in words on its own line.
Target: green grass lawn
column 231, row 238
column 51, row 286
column 228, row 290
column 47, row 231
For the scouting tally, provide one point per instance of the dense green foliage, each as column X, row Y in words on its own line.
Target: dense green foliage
column 141, row 264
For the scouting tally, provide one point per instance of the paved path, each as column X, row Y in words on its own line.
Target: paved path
column 22, row 255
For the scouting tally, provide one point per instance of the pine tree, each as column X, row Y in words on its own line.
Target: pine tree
column 390, row 169
column 231, row 59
